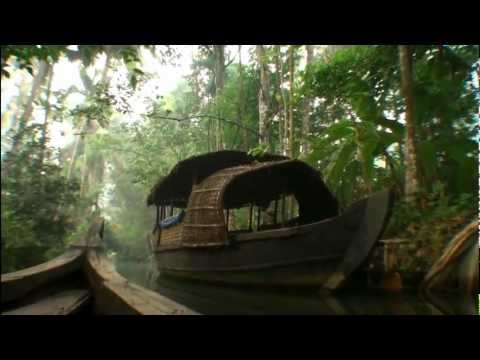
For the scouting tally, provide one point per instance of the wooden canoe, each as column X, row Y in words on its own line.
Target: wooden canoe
column 113, row 294
column 81, row 281
column 457, row 268
column 56, row 287
column 323, row 253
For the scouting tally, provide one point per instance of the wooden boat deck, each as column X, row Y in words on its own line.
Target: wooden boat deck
column 82, row 280
column 60, row 303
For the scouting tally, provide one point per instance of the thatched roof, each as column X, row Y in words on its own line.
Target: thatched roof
column 257, row 183
column 264, row 183
column 175, row 188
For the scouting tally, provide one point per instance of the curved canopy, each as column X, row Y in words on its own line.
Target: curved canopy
column 175, row 188
column 264, row 183
column 238, row 186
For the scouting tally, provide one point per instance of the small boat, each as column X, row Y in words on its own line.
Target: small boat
column 456, row 270
column 267, row 221
column 82, row 281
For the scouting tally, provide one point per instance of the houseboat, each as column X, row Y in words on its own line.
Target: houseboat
column 232, row 218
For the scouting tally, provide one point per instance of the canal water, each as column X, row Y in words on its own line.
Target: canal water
column 219, row 299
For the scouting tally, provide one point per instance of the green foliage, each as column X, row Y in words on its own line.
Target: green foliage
column 355, row 85
column 356, row 138
column 361, row 86
column 97, row 106
column 25, row 54
column 132, row 60
column 347, row 154
column 149, row 148
column 229, row 105
column 258, row 151
column 430, row 224
column 40, row 206
column 34, row 199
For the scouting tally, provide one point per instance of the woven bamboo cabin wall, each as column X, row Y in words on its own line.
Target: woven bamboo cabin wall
column 207, row 188
column 171, row 235
column 260, row 184
column 204, row 222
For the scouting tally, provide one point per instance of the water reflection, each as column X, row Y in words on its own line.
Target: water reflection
column 216, row 299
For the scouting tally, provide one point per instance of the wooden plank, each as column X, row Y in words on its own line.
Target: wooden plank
column 375, row 217
column 452, row 304
column 204, row 225
column 61, row 303
column 116, row 295
column 278, row 233
column 250, row 218
column 17, row 284
column 468, row 270
column 463, row 245
column 206, row 190
column 203, row 208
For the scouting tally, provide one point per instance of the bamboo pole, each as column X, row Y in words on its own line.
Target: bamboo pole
column 251, row 215
column 228, row 214
column 258, row 218
column 275, row 212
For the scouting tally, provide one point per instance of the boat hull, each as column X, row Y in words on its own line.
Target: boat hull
column 305, row 274
column 308, row 255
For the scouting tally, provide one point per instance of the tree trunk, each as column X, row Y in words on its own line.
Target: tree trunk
column 411, row 167
column 38, row 81
column 219, row 51
column 16, row 109
column 290, row 108
column 281, row 110
column 84, row 174
column 263, row 98
column 75, row 151
column 43, row 140
column 283, row 103
column 283, row 121
column 104, row 79
column 241, row 100
column 198, row 92
column 478, row 75
column 219, row 68
column 89, row 176
column 304, row 148
column 291, row 63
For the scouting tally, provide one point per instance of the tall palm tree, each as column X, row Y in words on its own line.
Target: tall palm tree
column 411, row 165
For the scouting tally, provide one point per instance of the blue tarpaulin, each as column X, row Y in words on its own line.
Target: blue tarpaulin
column 174, row 220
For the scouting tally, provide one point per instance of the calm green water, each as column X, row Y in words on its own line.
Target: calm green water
column 216, row 299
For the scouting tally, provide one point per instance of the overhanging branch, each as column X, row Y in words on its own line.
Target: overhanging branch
column 207, row 116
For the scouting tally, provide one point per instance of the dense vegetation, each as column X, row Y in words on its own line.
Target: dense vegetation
column 367, row 117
